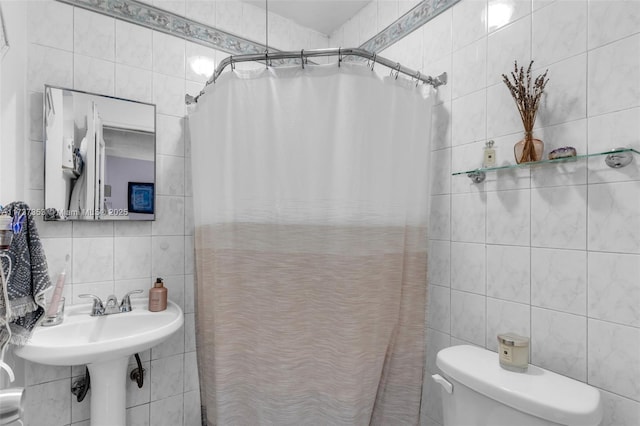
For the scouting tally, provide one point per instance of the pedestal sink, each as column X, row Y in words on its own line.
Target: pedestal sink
column 105, row 344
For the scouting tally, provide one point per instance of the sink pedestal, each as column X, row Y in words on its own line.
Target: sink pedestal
column 108, row 392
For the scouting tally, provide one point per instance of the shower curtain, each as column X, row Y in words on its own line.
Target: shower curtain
column 310, row 205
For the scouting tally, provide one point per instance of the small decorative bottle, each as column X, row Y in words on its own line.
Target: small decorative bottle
column 158, row 296
column 489, row 155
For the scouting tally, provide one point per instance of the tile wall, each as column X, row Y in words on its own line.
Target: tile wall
column 550, row 253
column 75, row 48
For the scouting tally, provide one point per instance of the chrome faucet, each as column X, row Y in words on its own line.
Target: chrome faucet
column 111, row 306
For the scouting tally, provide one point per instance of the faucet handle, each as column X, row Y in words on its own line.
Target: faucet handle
column 125, row 304
column 98, row 307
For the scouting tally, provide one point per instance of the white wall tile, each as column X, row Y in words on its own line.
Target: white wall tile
column 508, row 272
column 612, row 20
column 501, row 13
column 440, row 217
column 48, row 403
column 613, row 217
column 132, row 257
column 50, row 23
column 559, row 280
column 469, row 22
column 93, row 75
column 229, row 16
column 201, row 11
column 612, row 70
column 559, row 217
column 168, row 94
column 167, row 412
column 441, row 126
column 174, row 6
column 36, row 374
column 469, row 72
column 573, row 133
column 92, row 259
column 190, row 372
column 134, row 45
column 48, row 66
column 253, row 23
column 192, row 415
column 437, row 35
column 619, row 411
column 613, row 358
column 135, row 84
column 502, row 115
column 559, row 31
column 174, row 345
column 167, row 255
column 607, row 131
column 441, row 171
column 200, row 62
column 508, row 217
column 508, row 44
column 169, row 137
column 169, row 216
column 468, row 317
column 170, row 175
column 167, row 378
column 92, row 229
column 468, row 267
column 168, row 55
column 469, row 118
column 558, row 342
column 614, row 287
column 439, row 308
column 94, row 34
column 565, row 95
column 439, row 263
column 387, row 13
column 506, row 317
column 138, row 416
column 468, row 217
column 189, row 332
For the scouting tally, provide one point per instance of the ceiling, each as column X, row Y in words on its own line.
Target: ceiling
column 321, row 15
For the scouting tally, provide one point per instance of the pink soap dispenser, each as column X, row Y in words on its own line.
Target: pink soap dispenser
column 158, row 296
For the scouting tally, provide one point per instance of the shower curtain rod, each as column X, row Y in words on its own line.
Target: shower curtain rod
column 267, row 57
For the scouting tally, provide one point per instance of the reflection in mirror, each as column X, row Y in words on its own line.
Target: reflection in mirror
column 99, row 157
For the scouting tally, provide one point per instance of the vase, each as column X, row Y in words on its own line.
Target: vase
column 528, row 149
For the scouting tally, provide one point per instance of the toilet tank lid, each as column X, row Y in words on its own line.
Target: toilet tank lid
column 538, row 392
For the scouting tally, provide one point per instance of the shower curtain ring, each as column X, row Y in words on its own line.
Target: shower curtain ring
column 233, row 67
column 302, row 57
column 417, row 78
column 373, row 64
column 266, row 58
column 397, row 69
column 339, row 56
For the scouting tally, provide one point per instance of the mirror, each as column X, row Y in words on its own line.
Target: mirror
column 100, row 154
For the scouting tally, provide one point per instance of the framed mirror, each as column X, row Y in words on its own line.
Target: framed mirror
column 100, row 155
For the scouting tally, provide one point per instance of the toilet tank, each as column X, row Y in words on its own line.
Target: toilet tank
column 484, row 394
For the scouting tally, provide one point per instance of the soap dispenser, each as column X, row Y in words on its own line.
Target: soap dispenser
column 158, row 296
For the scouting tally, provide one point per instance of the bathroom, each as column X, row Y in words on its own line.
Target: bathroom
column 553, row 254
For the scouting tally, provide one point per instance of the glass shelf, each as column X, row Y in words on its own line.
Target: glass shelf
column 616, row 158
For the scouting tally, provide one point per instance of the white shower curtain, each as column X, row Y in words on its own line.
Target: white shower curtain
column 310, row 203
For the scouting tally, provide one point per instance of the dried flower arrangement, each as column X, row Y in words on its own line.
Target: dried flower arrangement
column 527, row 98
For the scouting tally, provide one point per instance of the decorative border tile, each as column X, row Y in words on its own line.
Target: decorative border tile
column 407, row 23
column 157, row 19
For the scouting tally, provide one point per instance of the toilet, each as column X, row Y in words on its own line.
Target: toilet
column 476, row 391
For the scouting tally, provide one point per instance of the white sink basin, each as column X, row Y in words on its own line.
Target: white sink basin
column 83, row 339
column 105, row 344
